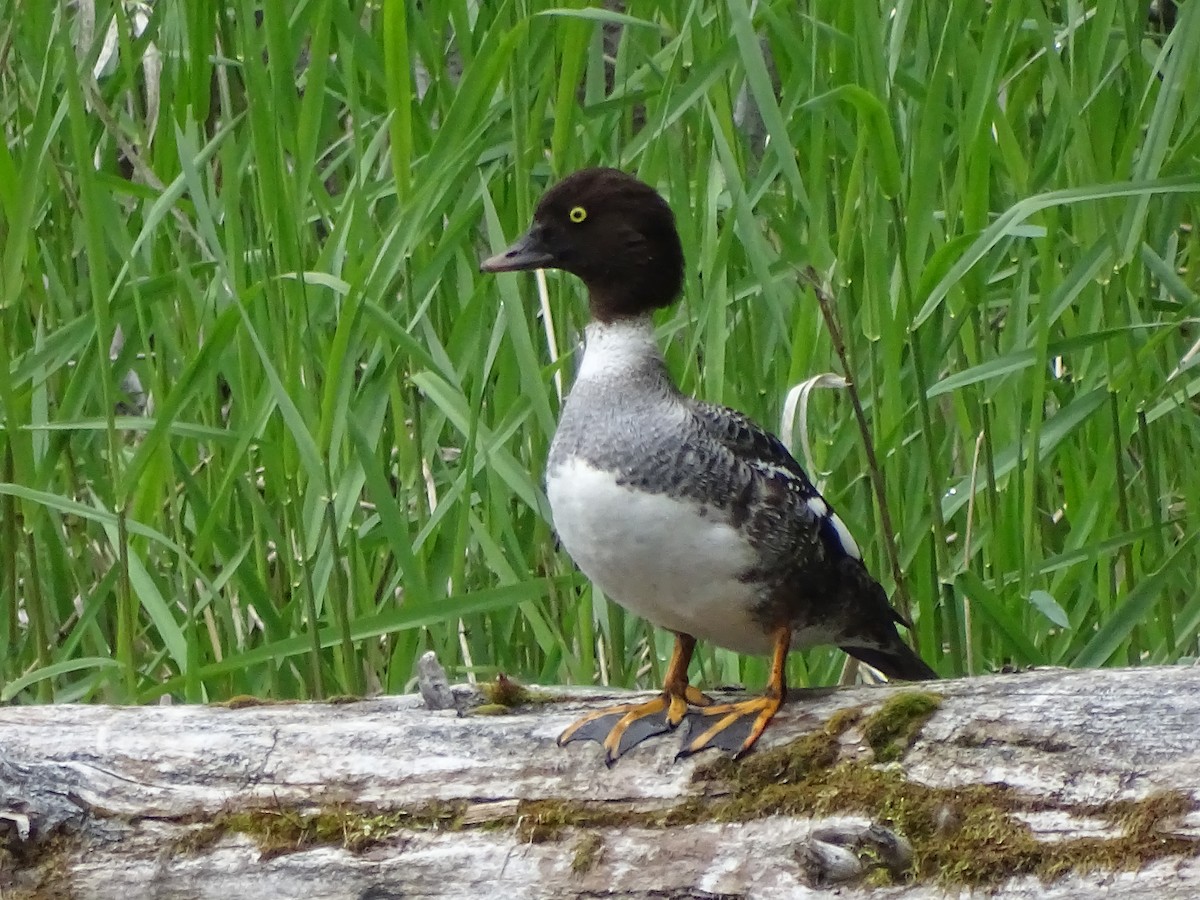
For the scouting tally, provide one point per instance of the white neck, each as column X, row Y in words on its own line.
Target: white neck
column 616, row 348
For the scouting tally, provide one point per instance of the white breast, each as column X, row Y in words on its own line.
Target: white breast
column 668, row 560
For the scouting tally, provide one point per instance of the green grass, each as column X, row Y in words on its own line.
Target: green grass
column 340, row 463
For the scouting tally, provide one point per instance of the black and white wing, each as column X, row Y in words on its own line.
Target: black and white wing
column 798, row 530
column 771, row 461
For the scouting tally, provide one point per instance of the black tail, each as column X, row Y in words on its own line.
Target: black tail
column 896, row 662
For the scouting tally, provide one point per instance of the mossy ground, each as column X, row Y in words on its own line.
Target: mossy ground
column 36, row 871
column 507, row 694
column 970, row 836
column 245, row 701
column 892, row 730
column 277, row 830
column 587, row 853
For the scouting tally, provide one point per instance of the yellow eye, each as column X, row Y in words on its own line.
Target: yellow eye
column 577, row 214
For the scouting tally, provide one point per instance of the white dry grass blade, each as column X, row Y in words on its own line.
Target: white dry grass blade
column 795, row 406
column 548, row 325
column 1185, row 361
column 139, row 19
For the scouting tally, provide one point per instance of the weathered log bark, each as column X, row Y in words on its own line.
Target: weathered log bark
column 1044, row 784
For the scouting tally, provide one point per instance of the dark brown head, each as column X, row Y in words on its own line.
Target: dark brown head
column 614, row 232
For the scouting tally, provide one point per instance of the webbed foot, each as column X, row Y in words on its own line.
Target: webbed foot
column 621, row 728
column 735, row 727
column 732, row 727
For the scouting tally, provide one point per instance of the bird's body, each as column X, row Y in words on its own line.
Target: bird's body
column 686, row 513
column 633, row 504
column 691, row 516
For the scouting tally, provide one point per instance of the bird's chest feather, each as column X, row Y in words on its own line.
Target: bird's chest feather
column 670, row 560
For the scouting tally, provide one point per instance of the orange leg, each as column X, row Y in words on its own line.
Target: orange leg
column 620, row 728
column 736, row 726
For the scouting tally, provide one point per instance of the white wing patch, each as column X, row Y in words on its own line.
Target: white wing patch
column 849, row 545
column 821, row 510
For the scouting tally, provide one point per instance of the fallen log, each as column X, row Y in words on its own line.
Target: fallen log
column 1049, row 783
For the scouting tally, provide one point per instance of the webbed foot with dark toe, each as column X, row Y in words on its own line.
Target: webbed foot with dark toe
column 735, row 727
column 621, row 728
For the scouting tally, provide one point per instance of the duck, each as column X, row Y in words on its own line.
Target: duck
column 686, row 513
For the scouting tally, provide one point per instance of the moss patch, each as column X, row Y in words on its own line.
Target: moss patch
column 506, row 694
column 492, row 709
column 245, row 701
column 779, row 766
column 587, row 853
column 894, row 727
column 37, row 870
column 248, row 701
column 279, row 830
column 841, row 720
column 991, row 844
